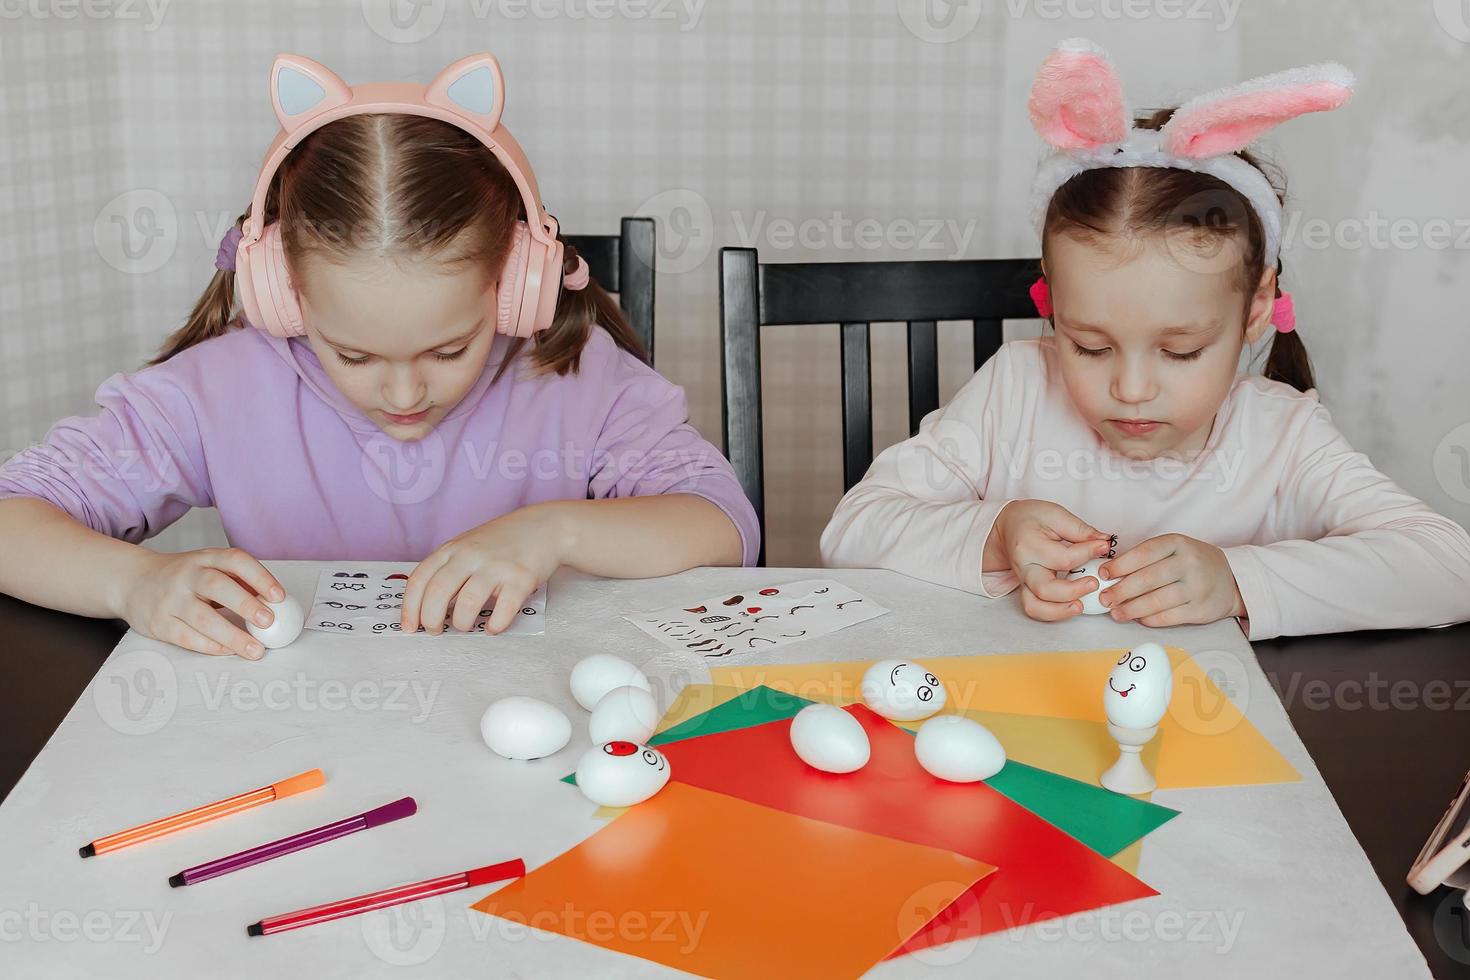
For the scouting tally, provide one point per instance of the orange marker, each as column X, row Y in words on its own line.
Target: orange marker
column 203, row 814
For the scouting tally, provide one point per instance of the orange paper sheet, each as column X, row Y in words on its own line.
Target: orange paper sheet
column 713, row 885
column 1205, row 740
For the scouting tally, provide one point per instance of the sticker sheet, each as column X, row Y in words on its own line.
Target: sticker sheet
column 758, row 618
column 360, row 603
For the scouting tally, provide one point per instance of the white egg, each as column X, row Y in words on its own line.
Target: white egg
column 829, row 739
column 1139, row 687
column 902, row 691
column 621, row 773
column 519, row 727
column 284, row 629
column 1091, row 606
column 594, row 676
column 628, row 714
column 958, row 749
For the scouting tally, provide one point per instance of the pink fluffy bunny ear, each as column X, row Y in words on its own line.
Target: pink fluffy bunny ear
column 1230, row 119
column 1077, row 100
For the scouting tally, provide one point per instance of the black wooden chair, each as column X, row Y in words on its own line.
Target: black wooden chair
column 623, row 264
column 853, row 294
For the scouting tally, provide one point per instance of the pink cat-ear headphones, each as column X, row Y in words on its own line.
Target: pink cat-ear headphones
column 469, row 94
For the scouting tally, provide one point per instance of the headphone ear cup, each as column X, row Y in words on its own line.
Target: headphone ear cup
column 264, row 284
column 550, row 292
column 511, row 282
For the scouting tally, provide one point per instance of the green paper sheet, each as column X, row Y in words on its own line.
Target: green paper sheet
column 1105, row 821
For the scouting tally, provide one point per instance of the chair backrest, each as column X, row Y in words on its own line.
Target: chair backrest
column 623, row 264
column 854, row 294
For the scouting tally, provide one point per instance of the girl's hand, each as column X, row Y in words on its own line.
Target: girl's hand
column 176, row 598
column 506, row 560
column 1170, row 580
column 1037, row 539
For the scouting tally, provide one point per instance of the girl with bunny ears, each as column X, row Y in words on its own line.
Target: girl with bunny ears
column 399, row 359
column 1235, row 493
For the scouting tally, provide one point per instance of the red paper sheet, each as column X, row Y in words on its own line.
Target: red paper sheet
column 1042, row 873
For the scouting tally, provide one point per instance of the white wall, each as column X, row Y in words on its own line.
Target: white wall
column 736, row 122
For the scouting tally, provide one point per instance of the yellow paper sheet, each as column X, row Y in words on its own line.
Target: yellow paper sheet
column 1204, row 740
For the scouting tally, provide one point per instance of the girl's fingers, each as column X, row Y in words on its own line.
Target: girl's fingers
column 1043, row 583
column 473, row 597
column 414, row 589
column 1073, row 555
column 206, row 620
column 509, row 600
column 247, row 569
column 216, row 586
column 180, row 633
column 438, row 594
column 1140, row 583
column 1157, row 601
column 1047, row 612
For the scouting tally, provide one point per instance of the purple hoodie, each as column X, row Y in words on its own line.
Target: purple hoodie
column 252, row 425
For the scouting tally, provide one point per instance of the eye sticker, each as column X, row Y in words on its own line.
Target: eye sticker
column 1137, row 664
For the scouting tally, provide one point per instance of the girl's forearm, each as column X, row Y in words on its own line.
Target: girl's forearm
column 52, row 560
column 643, row 537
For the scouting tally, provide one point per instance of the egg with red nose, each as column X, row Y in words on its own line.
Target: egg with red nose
column 1139, row 687
column 621, row 773
column 902, row 691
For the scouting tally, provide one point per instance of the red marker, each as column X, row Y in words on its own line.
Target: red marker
column 388, row 897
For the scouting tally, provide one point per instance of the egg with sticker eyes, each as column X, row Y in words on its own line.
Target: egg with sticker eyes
column 827, row 738
column 1139, row 687
column 901, row 690
column 1091, row 605
column 621, row 773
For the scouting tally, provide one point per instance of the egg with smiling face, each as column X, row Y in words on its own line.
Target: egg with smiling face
column 1139, row 687
column 621, row 773
column 902, row 691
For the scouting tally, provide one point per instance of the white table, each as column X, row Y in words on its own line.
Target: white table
column 1254, row 881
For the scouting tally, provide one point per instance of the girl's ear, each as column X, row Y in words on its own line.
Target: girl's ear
column 1258, row 317
column 301, row 89
column 472, row 87
column 1077, row 100
column 1228, row 120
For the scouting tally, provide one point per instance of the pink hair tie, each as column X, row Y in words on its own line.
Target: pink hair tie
column 1283, row 314
column 578, row 277
column 1041, row 296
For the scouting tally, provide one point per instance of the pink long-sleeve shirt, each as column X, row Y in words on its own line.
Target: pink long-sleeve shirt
column 1318, row 539
column 252, row 425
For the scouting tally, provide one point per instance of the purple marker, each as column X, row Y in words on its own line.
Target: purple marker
column 387, row 813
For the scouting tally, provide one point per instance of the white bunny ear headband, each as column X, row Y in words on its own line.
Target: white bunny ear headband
column 1077, row 107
